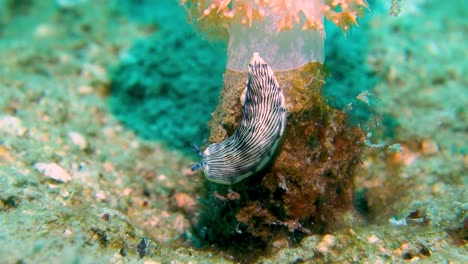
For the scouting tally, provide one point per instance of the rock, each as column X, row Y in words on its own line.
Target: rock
column 11, row 125
column 373, row 239
column 5, row 156
column 326, row 243
column 78, row 140
column 429, row 147
column 185, row 202
column 53, row 171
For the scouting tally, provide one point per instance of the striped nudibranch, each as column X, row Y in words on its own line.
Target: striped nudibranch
column 254, row 142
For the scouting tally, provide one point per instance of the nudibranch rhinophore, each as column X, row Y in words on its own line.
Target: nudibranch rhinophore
column 254, row 142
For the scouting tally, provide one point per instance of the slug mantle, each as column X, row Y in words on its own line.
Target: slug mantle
column 254, row 142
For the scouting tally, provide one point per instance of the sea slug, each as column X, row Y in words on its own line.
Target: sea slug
column 254, row 142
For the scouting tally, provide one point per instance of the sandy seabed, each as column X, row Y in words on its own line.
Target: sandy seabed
column 76, row 185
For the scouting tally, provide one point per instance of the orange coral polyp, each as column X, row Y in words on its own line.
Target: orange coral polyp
column 343, row 13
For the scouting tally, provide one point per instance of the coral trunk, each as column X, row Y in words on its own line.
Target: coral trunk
column 307, row 186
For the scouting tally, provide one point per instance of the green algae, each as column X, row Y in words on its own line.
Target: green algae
column 167, row 85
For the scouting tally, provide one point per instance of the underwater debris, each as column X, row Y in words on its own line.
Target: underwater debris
column 395, row 7
column 417, row 217
column 397, row 222
column 392, row 148
column 365, row 97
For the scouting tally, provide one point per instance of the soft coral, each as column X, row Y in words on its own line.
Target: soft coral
column 343, row 13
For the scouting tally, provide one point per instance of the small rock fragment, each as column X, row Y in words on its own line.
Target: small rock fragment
column 44, row 31
column 180, row 224
column 279, row 244
column 94, row 71
column 185, row 202
column 417, row 217
column 68, row 232
column 405, row 157
column 5, row 156
column 78, row 140
column 85, row 90
column 101, row 195
column 105, row 217
column 11, row 125
column 326, row 243
column 53, row 171
column 151, row 262
column 373, row 239
column 397, row 222
column 394, row 148
column 429, row 147
column 108, row 167
column 142, row 247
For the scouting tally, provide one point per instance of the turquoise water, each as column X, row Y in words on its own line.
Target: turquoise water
column 100, row 100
